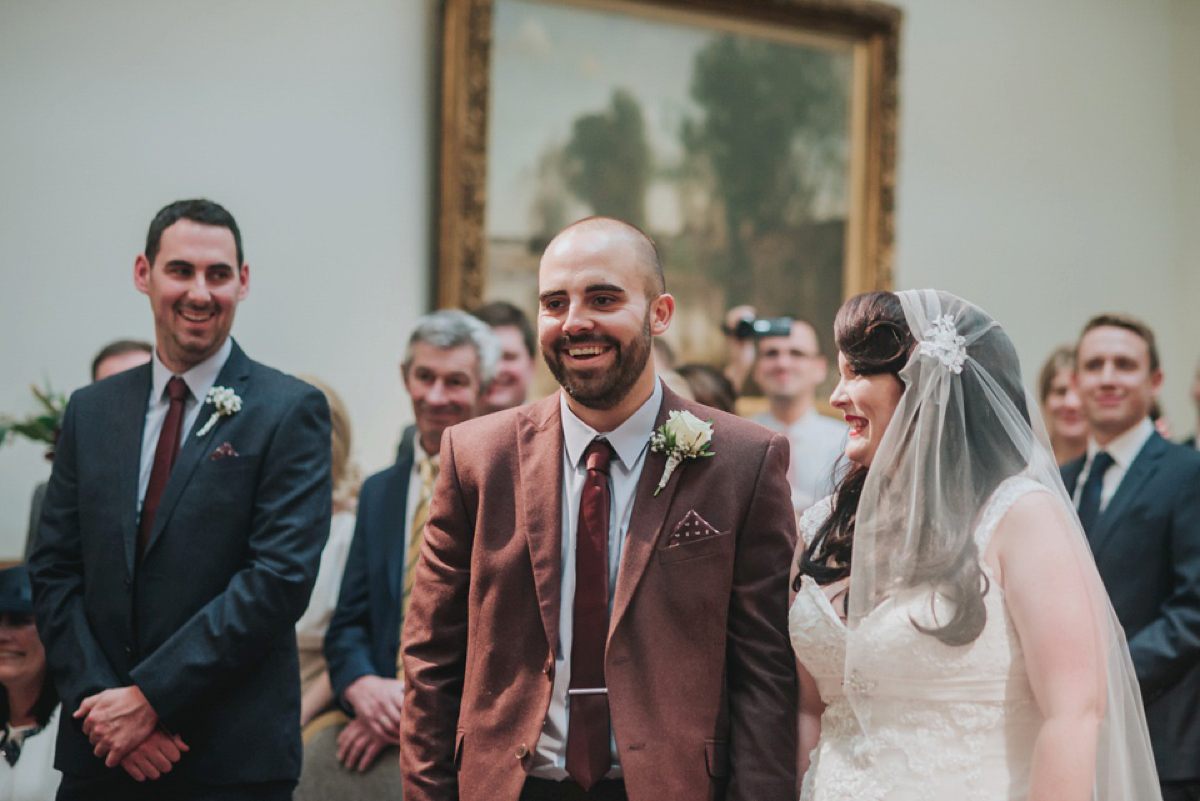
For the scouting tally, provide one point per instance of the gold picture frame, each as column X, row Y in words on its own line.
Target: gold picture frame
column 495, row 97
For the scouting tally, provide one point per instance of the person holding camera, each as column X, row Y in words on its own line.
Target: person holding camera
column 788, row 366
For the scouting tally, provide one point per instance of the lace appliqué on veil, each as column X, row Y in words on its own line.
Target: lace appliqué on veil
column 944, row 343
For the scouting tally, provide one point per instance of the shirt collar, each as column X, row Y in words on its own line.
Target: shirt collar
column 1125, row 448
column 200, row 379
column 627, row 439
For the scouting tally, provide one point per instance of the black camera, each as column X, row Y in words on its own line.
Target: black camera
column 759, row 327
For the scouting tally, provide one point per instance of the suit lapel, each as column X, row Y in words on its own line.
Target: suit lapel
column 539, row 454
column 395, row 537
column 649, row 513
column 127, row 433
column 1139, row 472
column 235, row 374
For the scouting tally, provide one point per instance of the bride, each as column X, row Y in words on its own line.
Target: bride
column 954, row 639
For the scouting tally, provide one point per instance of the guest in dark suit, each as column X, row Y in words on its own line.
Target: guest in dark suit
column 1139, row 501
column 179, row 540
column 115, row 357
column 450, row 360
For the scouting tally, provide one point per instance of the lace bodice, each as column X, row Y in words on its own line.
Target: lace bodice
column 946, row 722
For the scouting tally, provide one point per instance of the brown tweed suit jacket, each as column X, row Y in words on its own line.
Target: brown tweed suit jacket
column 701, row 678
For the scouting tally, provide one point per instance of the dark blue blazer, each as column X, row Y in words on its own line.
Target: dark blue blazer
column 1147, row 548
column 204, row 624
column 364, row 634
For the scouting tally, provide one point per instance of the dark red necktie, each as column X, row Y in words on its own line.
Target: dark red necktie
column 164, row 459
column 588, row 757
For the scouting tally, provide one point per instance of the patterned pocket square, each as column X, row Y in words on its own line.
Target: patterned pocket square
column 693, row 527
column 224, row 451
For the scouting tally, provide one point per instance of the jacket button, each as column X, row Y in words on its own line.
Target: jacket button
column 522, row 751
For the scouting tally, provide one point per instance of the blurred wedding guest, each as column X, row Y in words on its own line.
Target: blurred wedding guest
column 1194, row 440
column 450, row 358
column 789, row 369
column 1139, row 507
column 739, row 347
column 113, row 358
column 316, row 693
column 664, row 368
column 709, row 386
column 1060, row 405
column 28, row 700
column 510, row 387
column 119, row 356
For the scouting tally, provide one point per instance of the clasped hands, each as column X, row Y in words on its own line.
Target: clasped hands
column 124, row 730
column 377, row 703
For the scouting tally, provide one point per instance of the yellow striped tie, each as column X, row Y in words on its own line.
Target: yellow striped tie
column 428, row 468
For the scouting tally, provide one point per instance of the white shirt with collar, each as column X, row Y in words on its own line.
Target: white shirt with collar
column 200, row 380
column 1124, row 449
column 816, row 443
column 631, row 442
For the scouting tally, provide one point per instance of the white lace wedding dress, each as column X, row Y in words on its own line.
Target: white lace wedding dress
column 948, row 723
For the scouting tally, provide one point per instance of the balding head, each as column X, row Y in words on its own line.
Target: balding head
column 601, row 233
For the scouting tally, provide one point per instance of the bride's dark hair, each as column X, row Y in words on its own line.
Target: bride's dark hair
column 874, row 337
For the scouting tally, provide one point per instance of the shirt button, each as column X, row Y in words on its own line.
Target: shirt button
column 522, row 751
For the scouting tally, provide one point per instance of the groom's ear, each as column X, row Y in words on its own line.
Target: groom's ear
column 662, row 309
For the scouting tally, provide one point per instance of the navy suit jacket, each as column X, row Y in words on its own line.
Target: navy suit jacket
column 364, row 635
column 1147, row 548
column 204, row 623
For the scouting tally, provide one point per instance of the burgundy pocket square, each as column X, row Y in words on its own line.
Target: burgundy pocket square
column 691, row 528
column 224, row 451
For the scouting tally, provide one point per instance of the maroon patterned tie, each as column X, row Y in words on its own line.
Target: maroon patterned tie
column 164, row 459
column 588, row 756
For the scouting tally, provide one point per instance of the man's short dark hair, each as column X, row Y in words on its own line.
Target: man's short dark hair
column 1129, row 323
column 204, row 212
column 500, row 313
column 120, row 348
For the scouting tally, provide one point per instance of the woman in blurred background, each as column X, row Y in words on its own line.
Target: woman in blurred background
column 1060, row 406
column 28, row 701
column 316, row 692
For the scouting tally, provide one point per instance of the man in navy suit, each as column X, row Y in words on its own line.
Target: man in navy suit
column 450, row 360
column 179, row 541
column 1139, row 501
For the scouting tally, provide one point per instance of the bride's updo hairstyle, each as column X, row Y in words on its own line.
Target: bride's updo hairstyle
column 872, row 336
column 977, row 448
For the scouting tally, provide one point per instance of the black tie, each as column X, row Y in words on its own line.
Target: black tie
column 1089, row 498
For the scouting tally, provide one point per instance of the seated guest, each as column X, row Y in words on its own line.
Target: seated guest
column 515, row 371
column 789, row 369
column 450, row 359
column 28, row 700
column 1060, row 405
column 709, row 386
column 115, row 357
column 316, row 694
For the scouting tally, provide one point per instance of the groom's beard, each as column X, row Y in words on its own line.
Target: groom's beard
column 598, row 388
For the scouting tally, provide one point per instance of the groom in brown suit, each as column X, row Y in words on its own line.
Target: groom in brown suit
column 573, row 633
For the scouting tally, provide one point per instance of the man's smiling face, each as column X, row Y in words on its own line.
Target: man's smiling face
column 194, row 286
column 596, row 316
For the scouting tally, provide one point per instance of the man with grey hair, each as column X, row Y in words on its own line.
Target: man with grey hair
column 450, row 359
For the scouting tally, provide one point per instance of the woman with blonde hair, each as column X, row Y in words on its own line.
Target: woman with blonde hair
column 316, row 692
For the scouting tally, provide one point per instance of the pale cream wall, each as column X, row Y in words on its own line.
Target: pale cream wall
column 1049, row 167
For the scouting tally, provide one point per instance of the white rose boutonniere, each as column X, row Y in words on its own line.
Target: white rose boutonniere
column 683, row 436
column 227, row 404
